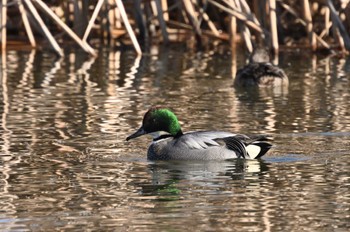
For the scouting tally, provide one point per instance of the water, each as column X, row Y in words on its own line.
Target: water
column 65, row 164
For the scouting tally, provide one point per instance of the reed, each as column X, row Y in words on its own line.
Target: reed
column 161, row 19
column 43, row 26
column 273, row 25
column 309, row 26
column 3, row 23
column 341, row 33
column 324, row 24
column 26, row 24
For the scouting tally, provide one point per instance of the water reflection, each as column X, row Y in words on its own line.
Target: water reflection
column 163, row 172
column 64, row 162
column 193, row 84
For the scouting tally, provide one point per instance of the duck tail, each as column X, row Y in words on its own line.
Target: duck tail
column 257, row 149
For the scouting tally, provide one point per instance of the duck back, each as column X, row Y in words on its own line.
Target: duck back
column 206, row 146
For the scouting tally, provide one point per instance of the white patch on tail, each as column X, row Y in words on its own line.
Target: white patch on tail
column 253, row 150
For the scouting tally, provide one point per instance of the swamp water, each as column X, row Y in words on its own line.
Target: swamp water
column 65, row 164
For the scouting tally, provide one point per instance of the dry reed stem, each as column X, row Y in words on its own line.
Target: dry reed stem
column 339, row 39
column 83, row 44
column 111, row 17
column 210, row 23
column 327, row 22
column 233, row 30
column 3, row 23
column 273, row 26
column 161, row 20
column 251, row 15
column 118, row 23
column 26, row 24
column 309, row 26
column 164, row 4
column 124, row 16
column 244, row 29
column 239, row 15
column 338, row 23
column 46, row 31
column 293, row 12
column 191, row 14
column 92, row 20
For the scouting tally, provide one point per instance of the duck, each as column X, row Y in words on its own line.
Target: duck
column 170, row 143
column 260, row 72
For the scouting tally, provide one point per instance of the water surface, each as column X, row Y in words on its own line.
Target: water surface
column 65, row 164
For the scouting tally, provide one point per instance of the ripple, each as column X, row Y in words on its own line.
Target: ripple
column 64, row 162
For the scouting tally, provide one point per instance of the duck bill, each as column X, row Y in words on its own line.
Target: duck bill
column 138, row 133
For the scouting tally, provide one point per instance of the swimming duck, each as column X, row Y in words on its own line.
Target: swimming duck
column 260, row 72
column 170, row 143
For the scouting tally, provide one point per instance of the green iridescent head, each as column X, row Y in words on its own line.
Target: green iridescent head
column 158, row 120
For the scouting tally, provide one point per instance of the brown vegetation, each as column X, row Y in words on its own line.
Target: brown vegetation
column 316, row 24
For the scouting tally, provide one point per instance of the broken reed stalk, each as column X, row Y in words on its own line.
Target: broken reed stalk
column 206, row 18
column 239, row 15
column 46, row 31
column 273, row 26
column 85, row 46
column 92, row 20
column 252, row 16
column 26, row 24
column 309, row 26
column 124, row 16
column 190, row 12
column 244, row 29
column 246, row 9
column 211, row 25
column 3, row 23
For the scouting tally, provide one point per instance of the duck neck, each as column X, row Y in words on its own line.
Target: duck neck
column 162, row 135
column 158, row 136
column 178, row 134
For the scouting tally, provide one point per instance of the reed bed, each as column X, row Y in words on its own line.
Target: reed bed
column 319, row 25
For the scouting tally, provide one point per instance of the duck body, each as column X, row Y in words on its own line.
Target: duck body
column 169, row 143
column 260, row 72
column 206, row 145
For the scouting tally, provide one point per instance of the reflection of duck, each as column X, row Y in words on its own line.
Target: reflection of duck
column 167, row 176
column 194, row 169
column 203, row 145
column 260, row 72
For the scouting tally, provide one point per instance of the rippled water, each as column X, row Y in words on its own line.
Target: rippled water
column 65, row 164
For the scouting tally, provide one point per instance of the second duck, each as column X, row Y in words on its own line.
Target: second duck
column 260, row 72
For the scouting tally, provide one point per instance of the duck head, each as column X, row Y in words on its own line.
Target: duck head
column 156, row 121
column 259, row 55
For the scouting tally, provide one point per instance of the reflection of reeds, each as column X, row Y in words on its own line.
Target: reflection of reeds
column 275, row 23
